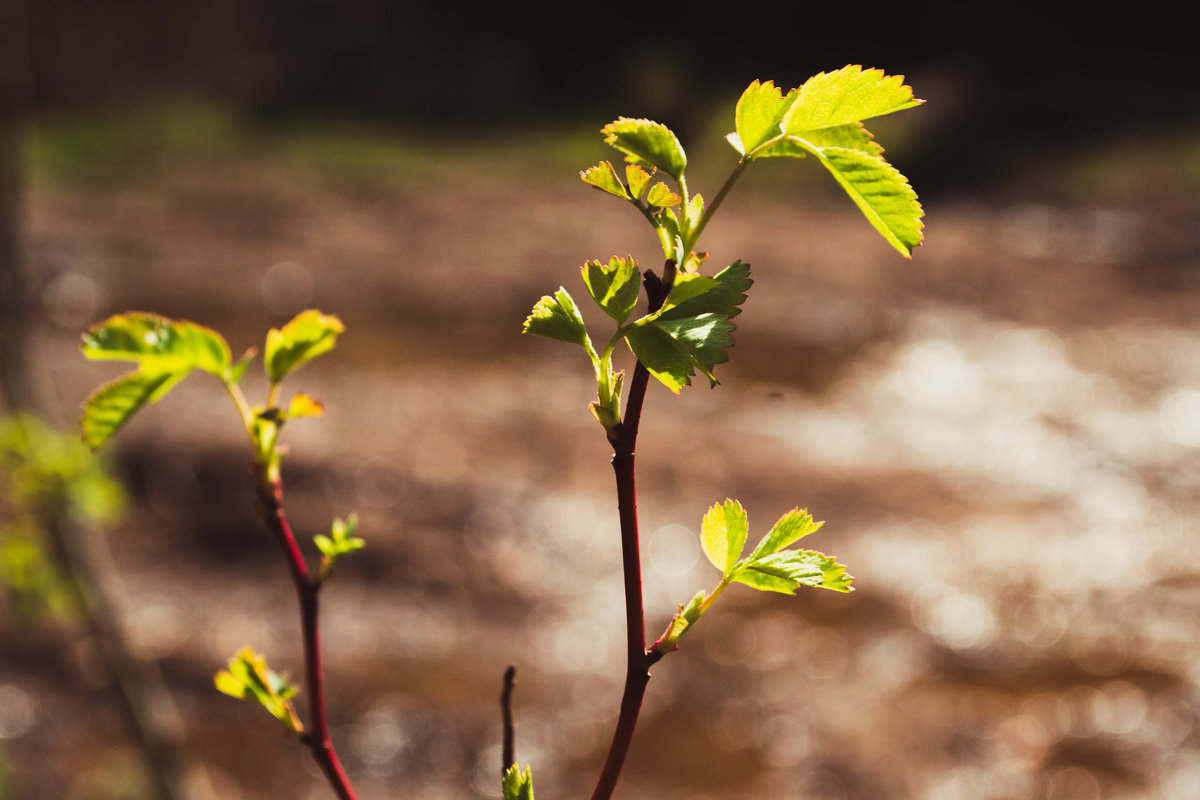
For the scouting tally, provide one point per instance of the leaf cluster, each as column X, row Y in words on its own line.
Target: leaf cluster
column 249, row 678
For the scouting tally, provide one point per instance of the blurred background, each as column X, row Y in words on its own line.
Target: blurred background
column 1001, row 433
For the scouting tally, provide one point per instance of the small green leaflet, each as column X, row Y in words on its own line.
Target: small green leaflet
column 723, row 535
column 557, row 317
column 614, row 287
column 305, row 337
column 340, row 541
column 647, row 143
column 518, row 785
column 249, row 678
column 638, row 180
column 604, row 176
column 660, row 195
column 114, row 403
column 759, row 115
column 791, row 528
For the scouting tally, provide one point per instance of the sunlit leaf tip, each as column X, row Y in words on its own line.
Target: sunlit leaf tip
column 604, row 176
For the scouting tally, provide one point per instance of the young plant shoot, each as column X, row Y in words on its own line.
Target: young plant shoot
column 166, row 351
column 687, row 324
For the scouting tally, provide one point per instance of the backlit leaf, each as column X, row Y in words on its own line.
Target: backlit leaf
column 723, row 534
column 557, row 317
column 614, row 286
column 604, row 176
column 114, row 403
column 305, row 337
column 638, row 180
column 880, row 192
column 760, row 111
column 647, row 143
column 850, row 94
column 157, row 343
column 791, row 527
column 672, row 349
column 660, row 195
column 788, row 570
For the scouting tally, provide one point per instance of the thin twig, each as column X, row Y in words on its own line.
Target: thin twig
column 508, row 755
column 270, row 492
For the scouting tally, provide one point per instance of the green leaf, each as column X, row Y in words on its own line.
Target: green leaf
column 759, row 114
column 604, row 176
column 725, row 297
column 614, row 287
column 705, row 338
column 880, row 192
column 686, row 287
column 305, row 337
column 672, row 349
column 723, row 534
column 157, row 344
column 664, row 357
column 557, row 317
column 304, row 406
column 638, row 180
column 852, row 136
column 114, row 403
column 791, row 527
column 249, row 678
column 518, row 785
column 850, row 94
column 660, row 195
column 647, row 143
column 340, row 541
column 788, row 570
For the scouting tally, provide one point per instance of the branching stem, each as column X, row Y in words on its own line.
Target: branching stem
column 270, row 494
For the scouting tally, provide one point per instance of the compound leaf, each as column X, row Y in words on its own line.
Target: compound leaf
column 647, row 143
column 157, row 344
column 309, row 334
column 723, row 534
column 849, row 94
column 557, row 317
column 687, row 285
column 604, row 176
column 114, row 403
column 614, row 287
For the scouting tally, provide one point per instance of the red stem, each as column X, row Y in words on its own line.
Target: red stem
column 638, row 661
column 270, row 492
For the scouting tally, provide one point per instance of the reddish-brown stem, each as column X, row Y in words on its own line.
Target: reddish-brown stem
column 638, row 661
column 308, row 587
